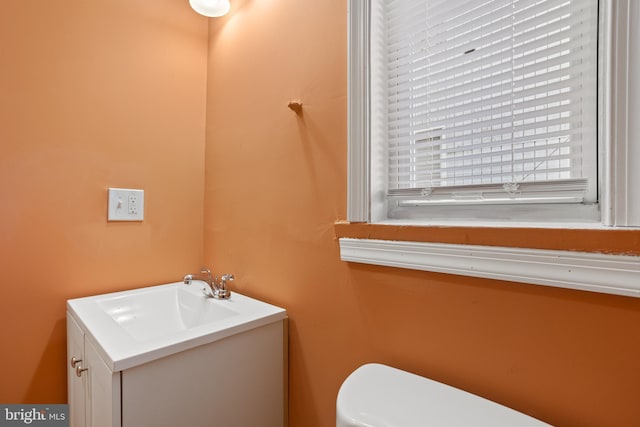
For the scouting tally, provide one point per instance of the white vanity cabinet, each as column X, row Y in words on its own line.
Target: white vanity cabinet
column 215, row 363
column 93, row 389
column 235, row 382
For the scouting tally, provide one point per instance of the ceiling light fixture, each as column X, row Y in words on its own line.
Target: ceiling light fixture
column 210, row 8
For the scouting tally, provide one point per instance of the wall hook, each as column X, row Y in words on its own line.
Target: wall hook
column 295, row 106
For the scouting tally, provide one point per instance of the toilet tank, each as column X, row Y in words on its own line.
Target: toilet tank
column 376, row 395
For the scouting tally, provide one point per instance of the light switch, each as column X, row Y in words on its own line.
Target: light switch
column 126, row 204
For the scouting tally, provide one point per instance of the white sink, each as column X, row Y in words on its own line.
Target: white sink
column 137, row 326
column 155, row 313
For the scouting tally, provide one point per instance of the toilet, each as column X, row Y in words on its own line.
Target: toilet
column 376, row 395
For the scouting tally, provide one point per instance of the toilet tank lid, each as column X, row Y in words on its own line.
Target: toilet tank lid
column 379, row 395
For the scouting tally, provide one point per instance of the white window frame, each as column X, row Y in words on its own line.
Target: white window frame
column 619, row 148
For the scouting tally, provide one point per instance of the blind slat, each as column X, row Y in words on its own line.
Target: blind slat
column 487, row 95
column 505, row 81
column 496, row 105
column 488, row 138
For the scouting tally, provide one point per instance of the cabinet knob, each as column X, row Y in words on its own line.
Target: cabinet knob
column 75, row 361
column 80, row 370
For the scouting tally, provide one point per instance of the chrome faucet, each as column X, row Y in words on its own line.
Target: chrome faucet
column 217, row 287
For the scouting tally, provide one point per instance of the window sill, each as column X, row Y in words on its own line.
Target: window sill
column 605, row 261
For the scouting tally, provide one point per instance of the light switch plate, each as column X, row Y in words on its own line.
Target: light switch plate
column 126, row 204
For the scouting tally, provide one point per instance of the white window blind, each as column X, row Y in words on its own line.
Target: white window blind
column 491, row 100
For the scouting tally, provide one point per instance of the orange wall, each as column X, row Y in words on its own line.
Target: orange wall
column 276, row 183
column 93, row 94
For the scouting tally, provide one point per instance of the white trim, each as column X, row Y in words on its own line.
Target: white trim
column 633, row 109
column 595, row 272
column 621, row 205
column 358, row 111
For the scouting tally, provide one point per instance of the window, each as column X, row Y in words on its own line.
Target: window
column 494, row 110
column 490, row 101
column 510, row 132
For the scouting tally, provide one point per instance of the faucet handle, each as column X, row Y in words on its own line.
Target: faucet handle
column 226, row 278
column 223, row 281
column 221, row 291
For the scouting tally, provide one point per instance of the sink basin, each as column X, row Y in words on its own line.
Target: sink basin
column 158, row 312
column 140, row 325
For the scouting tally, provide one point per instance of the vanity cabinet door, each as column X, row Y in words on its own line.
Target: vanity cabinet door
column 102, row 400
column 93, row 389
column 76, row 385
